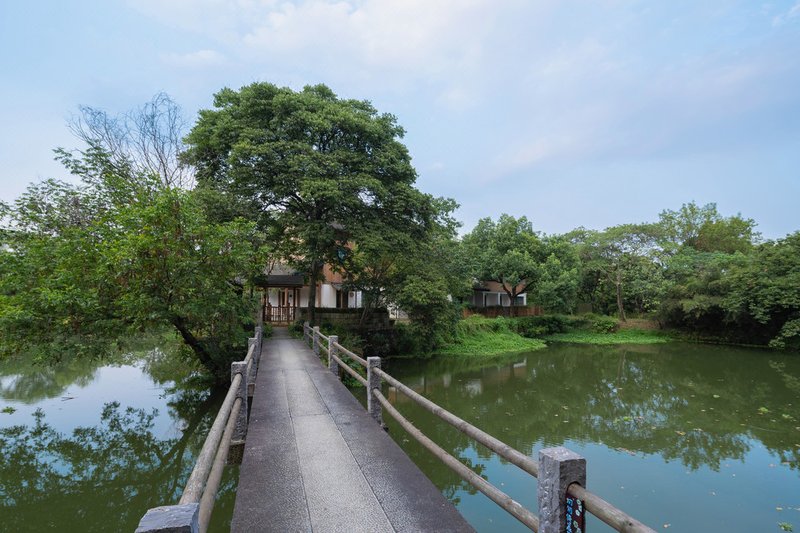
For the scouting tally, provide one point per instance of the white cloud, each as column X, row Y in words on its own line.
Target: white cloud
column 783, row 18
column 195, row 60
column 520, row 82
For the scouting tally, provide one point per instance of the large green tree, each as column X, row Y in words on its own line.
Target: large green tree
column 704, row 229
column 617, row 261
column 765, row 289
column 383, row 259
column 508, row 252
column 701, row 247
column 126, row 249
column 316, row 168
column 557, row 288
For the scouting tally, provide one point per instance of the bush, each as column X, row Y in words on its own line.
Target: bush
column 538, row 326
column 266, row 330
column 604, row 324
column 295, row 329
column 405, row 340
column 477, row 323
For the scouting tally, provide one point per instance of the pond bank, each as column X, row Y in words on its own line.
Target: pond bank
column 484, row 337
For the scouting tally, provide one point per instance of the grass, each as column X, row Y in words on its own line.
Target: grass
column 478, row 336
column 484, row 337
column 625, row 336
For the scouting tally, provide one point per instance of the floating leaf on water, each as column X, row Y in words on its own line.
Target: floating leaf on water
column 716, row 395
column 681, row 433
column 763, row 410
column 9, row 410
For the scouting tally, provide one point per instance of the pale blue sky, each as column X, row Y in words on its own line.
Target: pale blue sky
column 572, row 113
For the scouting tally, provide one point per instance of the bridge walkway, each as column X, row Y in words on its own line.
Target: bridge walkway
column 314, row 460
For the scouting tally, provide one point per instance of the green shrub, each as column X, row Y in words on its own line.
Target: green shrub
column 604, row 324
column 266, row 329
column 406, row 341
column 538, row 326
column 295, row 329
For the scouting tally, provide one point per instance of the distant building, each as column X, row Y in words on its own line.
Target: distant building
column 286, row 290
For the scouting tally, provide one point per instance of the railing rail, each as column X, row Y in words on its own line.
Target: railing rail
column 193, row 511
column 496, row 495
column 561, row 472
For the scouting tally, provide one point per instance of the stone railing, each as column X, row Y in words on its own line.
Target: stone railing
column 224, row 443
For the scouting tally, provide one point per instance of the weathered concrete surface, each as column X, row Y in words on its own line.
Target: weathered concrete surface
column 315, row 460
column 171, row 519
column 558, row 469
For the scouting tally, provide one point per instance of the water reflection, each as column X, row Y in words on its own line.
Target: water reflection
column 94, row 465
column 699, row 406
column 29, row 383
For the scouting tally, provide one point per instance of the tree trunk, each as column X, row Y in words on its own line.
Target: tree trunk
column 312, row 293
column 620, row 307
column 511, row 297
column 196, row 346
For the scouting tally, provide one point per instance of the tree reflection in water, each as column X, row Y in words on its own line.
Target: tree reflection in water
column 99, row 478
column 700, row 405
column 104, row 477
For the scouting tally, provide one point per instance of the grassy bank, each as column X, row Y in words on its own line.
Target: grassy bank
column 491, row 343
column 485, row 337
column 625, row 336
column 479, row 336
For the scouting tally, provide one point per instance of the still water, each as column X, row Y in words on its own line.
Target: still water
column 683, row 437
column 89, row 446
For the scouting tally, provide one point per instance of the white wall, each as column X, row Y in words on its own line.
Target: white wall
column 303, row 297
column 327, row 295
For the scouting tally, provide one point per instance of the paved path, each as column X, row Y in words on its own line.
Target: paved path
column 314, row 460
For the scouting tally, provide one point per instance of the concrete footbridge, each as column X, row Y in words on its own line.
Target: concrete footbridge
column 312, row 459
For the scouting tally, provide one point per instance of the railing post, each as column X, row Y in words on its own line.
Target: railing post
column 184, row 518
column 240, row 430
column 374, row 382
column 306, row 328
column 333, row 366
column 316, row 341
column 259, row 341
column 558, row 469
column 251, row 374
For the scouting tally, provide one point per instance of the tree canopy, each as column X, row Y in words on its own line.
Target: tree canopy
column 508, row 252
column 124, row 250
column 320, row 172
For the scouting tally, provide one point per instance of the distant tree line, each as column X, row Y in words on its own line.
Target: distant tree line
column 694, row 269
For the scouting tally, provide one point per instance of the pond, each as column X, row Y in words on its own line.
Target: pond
column 90, row 446
column 683, row 437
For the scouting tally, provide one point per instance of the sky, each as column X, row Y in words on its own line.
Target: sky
column 591, row 113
